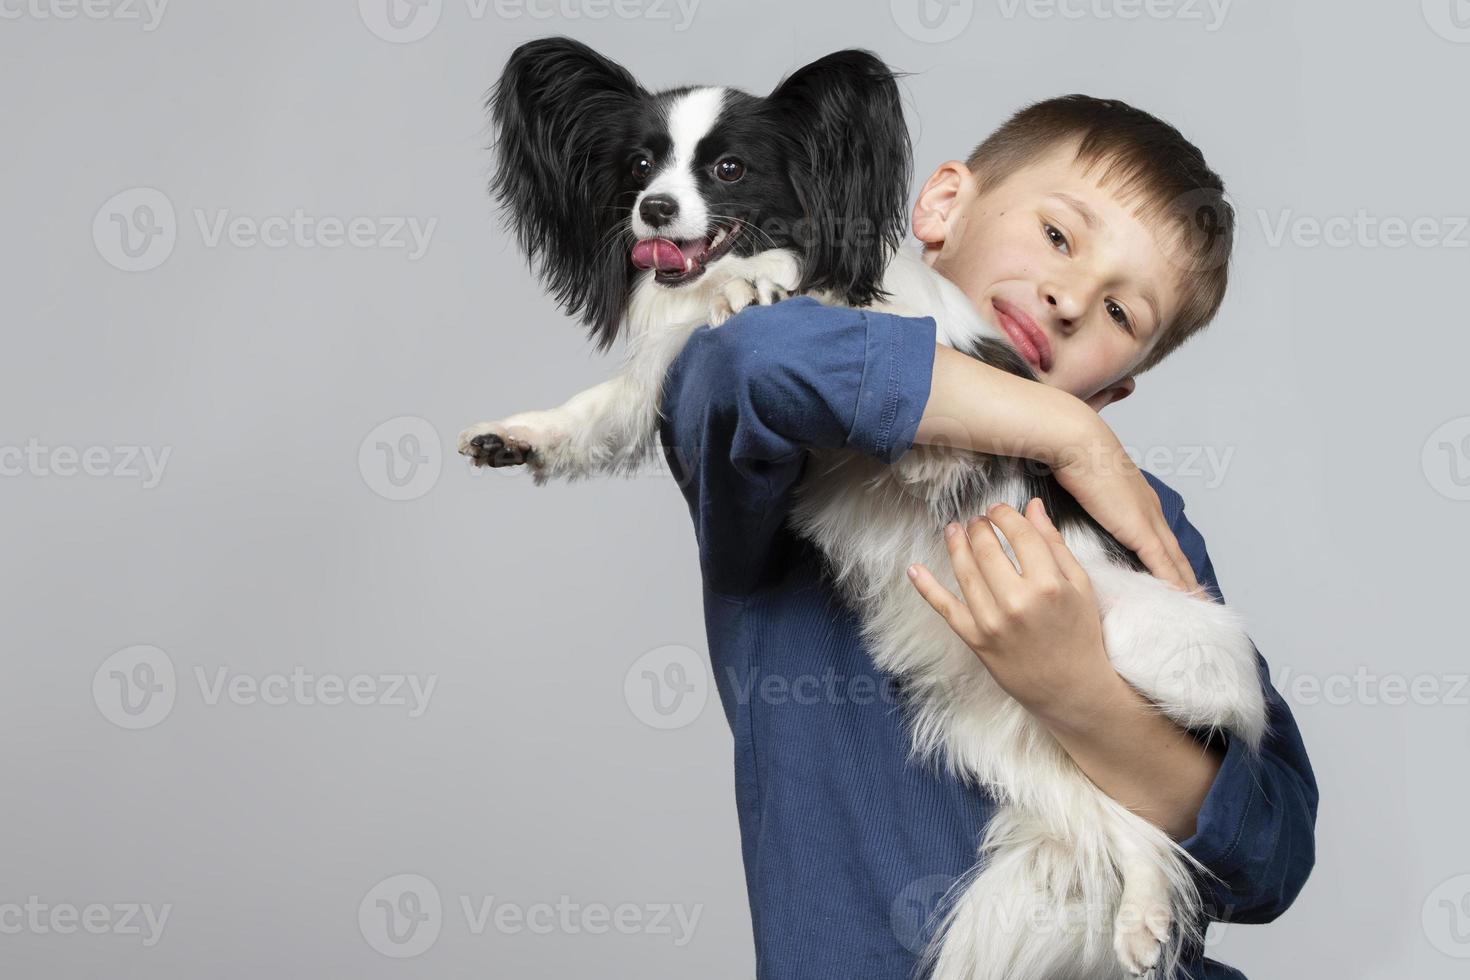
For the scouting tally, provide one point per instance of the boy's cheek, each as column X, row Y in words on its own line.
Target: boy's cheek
column 1086, row 371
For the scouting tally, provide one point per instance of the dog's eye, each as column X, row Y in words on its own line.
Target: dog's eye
column 642, row 167
column 729, row 170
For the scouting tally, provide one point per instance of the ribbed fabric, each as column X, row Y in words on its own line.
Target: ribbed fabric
column 848, row 845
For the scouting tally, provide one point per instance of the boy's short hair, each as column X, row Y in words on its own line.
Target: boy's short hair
column 1147, row 160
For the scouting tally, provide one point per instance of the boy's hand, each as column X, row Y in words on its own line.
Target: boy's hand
column 1038, row 630
column 1039, row 634
column 980, row 408
column 1105, row 481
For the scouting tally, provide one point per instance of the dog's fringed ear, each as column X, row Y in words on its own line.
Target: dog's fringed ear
column 851, row 170
column 552, row 111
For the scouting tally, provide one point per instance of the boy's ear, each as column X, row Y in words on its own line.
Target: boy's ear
column 945, row 193
column 1115, row 392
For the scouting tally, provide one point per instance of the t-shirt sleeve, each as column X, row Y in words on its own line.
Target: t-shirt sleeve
column 743, row 403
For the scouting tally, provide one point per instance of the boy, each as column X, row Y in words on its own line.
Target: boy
column 1062, row 229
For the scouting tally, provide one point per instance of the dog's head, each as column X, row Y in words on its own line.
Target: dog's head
column 603, row 181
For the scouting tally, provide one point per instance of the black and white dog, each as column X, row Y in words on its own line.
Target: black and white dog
column 649, row 214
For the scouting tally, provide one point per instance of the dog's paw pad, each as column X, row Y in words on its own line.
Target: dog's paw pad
column 494, row 449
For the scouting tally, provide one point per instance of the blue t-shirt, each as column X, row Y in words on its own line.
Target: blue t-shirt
column 848, row 845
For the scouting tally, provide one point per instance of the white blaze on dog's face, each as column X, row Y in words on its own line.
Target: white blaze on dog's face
column 690, row 120
column 687, row 213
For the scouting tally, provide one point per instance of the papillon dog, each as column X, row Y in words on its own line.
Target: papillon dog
column 648, row 214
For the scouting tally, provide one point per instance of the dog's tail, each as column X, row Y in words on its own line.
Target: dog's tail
column 1040, row 906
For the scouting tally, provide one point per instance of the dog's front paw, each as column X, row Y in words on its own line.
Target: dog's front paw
column 765, row 278
column 733, row 297
column 496, row 444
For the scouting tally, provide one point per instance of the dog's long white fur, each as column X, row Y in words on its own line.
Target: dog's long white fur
column 1069, row 883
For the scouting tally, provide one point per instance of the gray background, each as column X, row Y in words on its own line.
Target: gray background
column 1330, row 391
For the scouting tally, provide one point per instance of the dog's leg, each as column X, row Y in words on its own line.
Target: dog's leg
column 609, row 428
column 764, row 278
column 1141, row 927
column 1187, row 654
column 612, row 427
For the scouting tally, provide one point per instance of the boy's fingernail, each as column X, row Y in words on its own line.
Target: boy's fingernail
column 950, row 529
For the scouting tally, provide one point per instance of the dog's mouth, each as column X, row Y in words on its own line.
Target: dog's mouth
column 677, row 262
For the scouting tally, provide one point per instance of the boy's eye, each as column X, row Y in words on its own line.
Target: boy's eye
column 1119, row 315
column 1056, row 237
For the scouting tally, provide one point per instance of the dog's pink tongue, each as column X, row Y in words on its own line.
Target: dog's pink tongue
column 658, row 253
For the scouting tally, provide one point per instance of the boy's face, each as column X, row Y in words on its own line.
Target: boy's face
column 1082, row 300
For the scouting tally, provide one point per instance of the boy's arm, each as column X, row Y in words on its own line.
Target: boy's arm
column 1247, row 818
column 743, row 402
column 1256, row 829
column 978, row 407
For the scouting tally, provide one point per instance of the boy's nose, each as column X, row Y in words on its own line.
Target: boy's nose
column 1061, row 313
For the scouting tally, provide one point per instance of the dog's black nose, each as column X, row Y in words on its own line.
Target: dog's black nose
column 658, row 209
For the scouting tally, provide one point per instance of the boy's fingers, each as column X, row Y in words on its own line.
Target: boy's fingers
column 1032, row 551
column 969, row 573
column 997, row 574
column 944, row 602
column 1041, row 520
column 1066, row 561
column 1167, row 560
column 1160, row 563
column 1163, row 561
column 1186, row 570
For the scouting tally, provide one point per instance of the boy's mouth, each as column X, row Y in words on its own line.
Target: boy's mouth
column 1028, row 339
